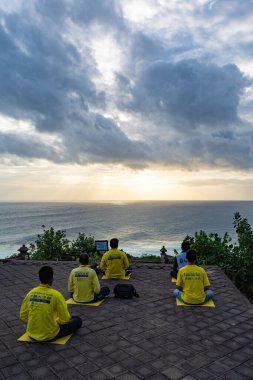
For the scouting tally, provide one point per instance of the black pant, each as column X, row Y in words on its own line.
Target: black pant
column 128, row 270
column 104, row 292
column 174, row 274
column 70, row 327
column 67, row 329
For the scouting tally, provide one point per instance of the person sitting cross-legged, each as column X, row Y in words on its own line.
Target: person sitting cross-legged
column 115, row 262
column 46, row 312
column 180, row 259
column 83, row 283
column 192, row 282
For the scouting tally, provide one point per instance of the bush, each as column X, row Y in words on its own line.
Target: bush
column 243, row 256
column 145, row 256
column 51, row 245
column 211, row 248
column 83, row 244
column 236, row 260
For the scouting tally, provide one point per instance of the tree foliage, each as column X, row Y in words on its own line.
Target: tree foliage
column 211, row 248
column 50, row 245
column 243, row 255
column 235, row 259
column 53, row 245
column 84, row 244
column 146, row 256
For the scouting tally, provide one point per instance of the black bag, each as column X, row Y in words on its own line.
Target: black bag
column 127, row 291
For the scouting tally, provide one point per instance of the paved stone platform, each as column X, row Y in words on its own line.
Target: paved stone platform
column 144, row 338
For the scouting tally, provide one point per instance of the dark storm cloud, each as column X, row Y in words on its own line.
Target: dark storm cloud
column 47, row 81
column 28, row 147
column 194, row 110
column 188, row 90
column 145, row 48
column 236, row 153
column 107, row 12
column 185, row 112
column 101, row 140
column 152, row 48
column 38, row 77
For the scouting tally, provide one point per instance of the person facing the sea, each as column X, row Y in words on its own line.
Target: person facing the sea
column 192, row 282
column 180, row 259
column 83, row 283
column 45, row 311
column 115, row 262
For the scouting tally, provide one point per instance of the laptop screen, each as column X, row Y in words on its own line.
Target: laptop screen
column 101, row 245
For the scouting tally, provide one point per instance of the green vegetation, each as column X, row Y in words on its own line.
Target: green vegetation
column 236, row 260
column 84, row 244
column 146, row 256
column 53, row 245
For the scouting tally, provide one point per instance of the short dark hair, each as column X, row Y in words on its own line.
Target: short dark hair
column 191, row 255
column 114, row 243
column 46, row 274
column 185, row 246
column 84, row 258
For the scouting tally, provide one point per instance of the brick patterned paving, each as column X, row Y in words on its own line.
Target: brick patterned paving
column 144, row 338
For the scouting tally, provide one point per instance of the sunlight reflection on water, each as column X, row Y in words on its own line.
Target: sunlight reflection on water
column 142, row 227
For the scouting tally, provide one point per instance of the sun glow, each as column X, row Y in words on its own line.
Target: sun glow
column 115, row 182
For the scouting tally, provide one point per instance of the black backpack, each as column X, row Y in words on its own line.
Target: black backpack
column 127, row 291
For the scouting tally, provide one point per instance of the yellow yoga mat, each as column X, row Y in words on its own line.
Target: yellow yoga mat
column 122, row 278
column 70, row 301
column 173, row 279
column 26, row 338
column 209, row 303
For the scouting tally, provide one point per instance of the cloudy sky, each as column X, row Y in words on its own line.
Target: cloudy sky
column 136, row 99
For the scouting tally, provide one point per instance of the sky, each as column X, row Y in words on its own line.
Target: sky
column 126, row 100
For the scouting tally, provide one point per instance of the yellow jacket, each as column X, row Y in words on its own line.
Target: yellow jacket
column 83, row 283
column 114, row 262
column 193, row 279
column 44, row 309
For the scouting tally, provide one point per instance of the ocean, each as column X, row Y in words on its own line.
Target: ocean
column 142, row 227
